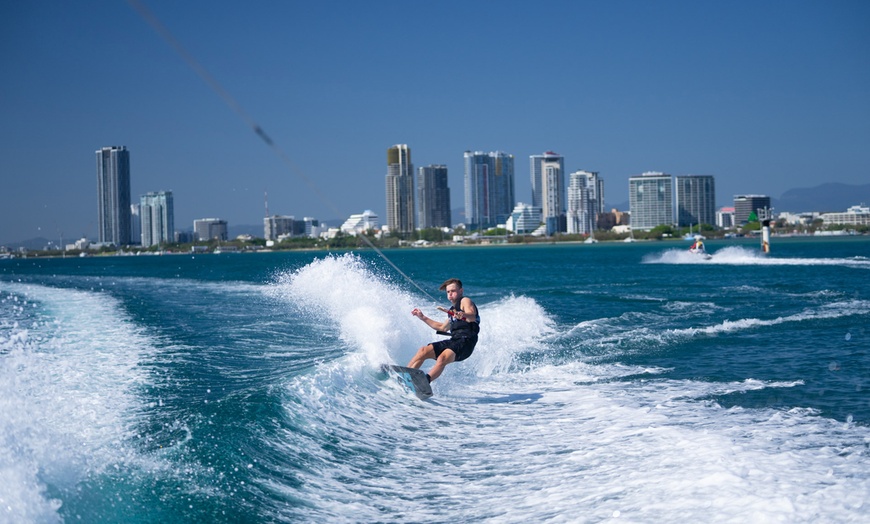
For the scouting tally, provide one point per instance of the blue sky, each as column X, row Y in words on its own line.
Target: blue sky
column 765, row 96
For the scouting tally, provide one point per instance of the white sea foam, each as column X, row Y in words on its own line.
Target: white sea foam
column 737, row 255
column 67, row 396
column 646, row 333
column 573, row 443
column 371, row 314
column 568, row 441
column 375, row 321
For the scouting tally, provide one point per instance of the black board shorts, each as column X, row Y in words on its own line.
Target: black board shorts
column 462, row 346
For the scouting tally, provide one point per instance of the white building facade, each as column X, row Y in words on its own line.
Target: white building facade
column 548, row 189
column 360, row 223
column 585, row 202
column 157, row 218
column 854, row 216
column 524, row 219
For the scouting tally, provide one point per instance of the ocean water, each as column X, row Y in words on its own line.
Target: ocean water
column 612, row 382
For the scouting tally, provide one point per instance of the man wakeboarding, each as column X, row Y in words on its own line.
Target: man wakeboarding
column 463, row 324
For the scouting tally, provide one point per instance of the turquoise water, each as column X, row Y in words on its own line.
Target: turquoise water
column 628, row 381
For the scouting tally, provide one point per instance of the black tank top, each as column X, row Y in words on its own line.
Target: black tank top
column 463, row 328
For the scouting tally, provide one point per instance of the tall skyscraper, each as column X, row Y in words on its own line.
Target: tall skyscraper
column 536, row 173
column 400, row 190
column 696, row 200
column 113, row 195
column 489, row 188
column 745, row 205
column 135, row 223
column 277, row 225
column 548, row 189
column 651, row 199
column 503, row 195
column 433, row 197
column 157, row 213
column 478, row 172
column 585, row 201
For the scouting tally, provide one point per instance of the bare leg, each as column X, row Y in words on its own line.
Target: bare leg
column 447, row 356
column 424, row 353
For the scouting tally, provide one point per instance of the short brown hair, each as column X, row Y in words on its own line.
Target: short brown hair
column 450, row 281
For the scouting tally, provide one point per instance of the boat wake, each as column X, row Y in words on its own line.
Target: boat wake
column 741, row 256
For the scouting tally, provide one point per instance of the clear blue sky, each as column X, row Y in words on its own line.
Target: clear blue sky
column 764, row 95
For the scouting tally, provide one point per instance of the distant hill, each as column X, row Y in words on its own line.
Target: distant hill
column 823, row 198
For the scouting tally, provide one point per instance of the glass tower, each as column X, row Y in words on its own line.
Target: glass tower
column 696, row 200
column 433, row 197
column 489, row 188
column 113, row 196
column 651, row 199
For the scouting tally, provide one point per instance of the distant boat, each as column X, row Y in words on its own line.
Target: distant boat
column 702, row 254
column 698, row 249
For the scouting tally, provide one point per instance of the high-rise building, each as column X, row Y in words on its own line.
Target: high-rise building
column 478, row 178
column 157, row 215
column 696, row 200
column 548, row 189
column 502, row 192
column 745, row 205
column 113, row 195
column 489, row 188
column 135, row 223
column 651, row 199
column 585, row 201
column 278, row 225
column 400, row 190
column 210, row 229
column 311, row 227
column 536, row 171
column 433, row 197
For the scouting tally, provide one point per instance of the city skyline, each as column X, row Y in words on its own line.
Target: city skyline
column 688, row 200
column 765, row 97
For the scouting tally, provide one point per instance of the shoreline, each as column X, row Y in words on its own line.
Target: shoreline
column 450, row 245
